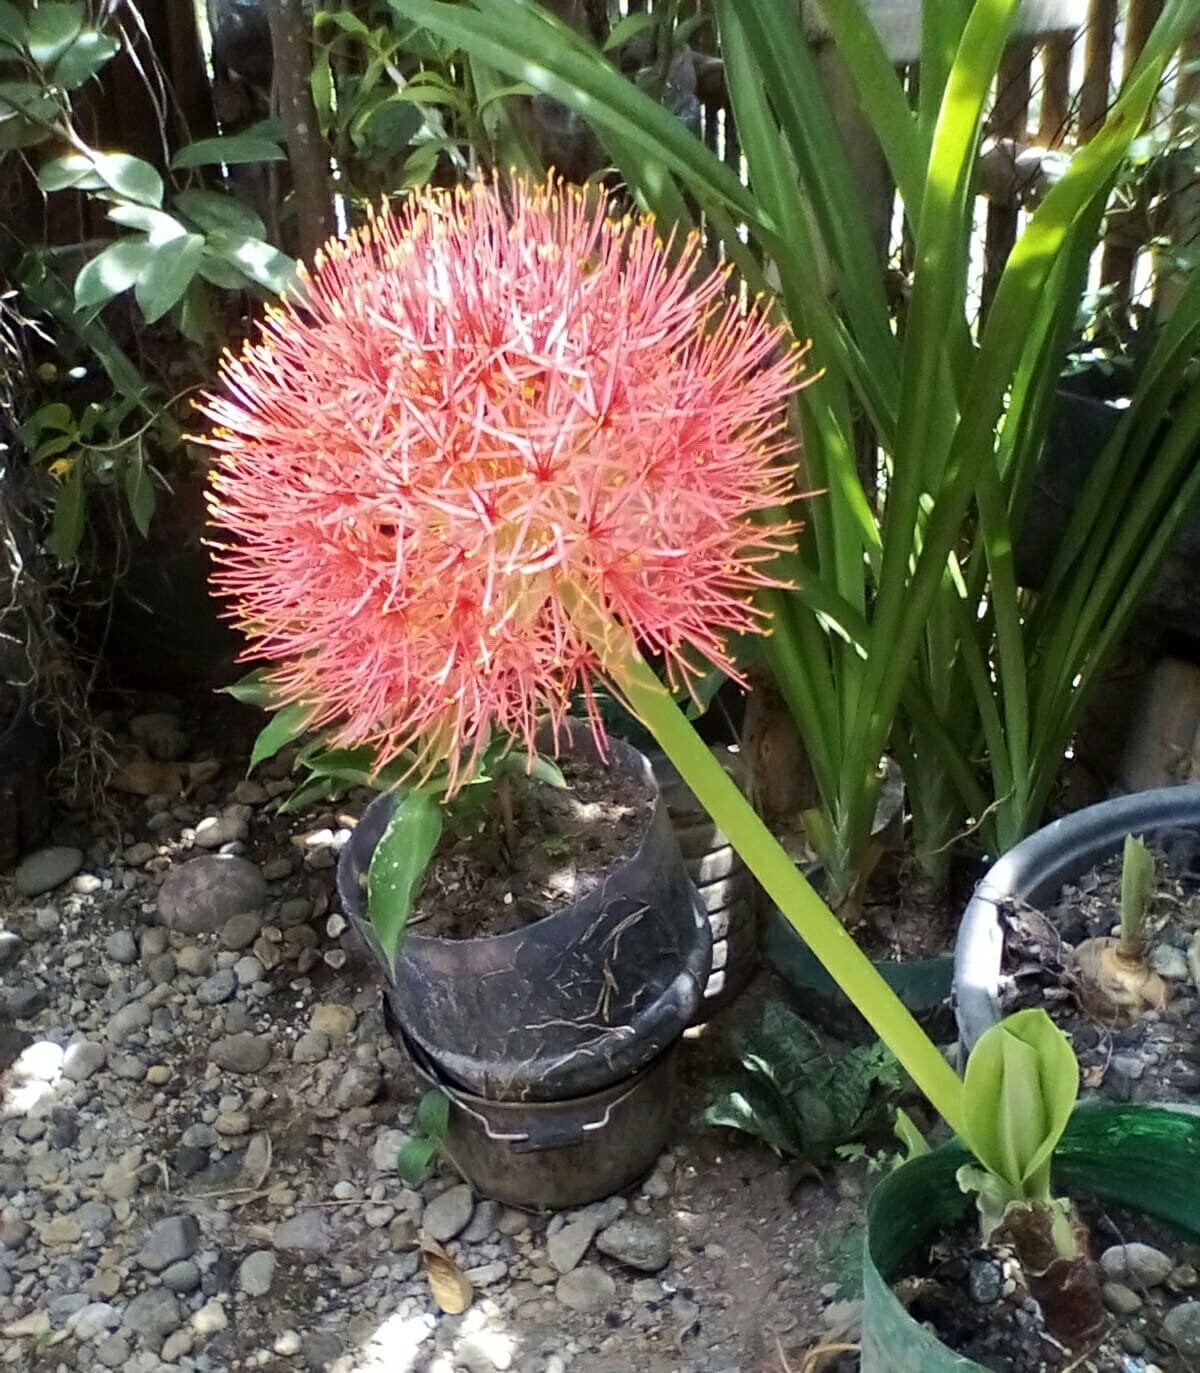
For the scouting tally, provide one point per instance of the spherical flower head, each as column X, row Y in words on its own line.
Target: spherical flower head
column 487, row 426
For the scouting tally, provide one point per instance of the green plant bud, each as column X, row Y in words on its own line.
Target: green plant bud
column 1018, row 1093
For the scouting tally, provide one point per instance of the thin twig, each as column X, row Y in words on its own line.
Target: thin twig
column 816, row 1356
column 972, row 827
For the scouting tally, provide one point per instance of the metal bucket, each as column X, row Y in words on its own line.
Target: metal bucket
column 552, row 1155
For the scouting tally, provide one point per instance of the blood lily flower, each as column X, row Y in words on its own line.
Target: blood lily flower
column 492, row 425
column 496, row 443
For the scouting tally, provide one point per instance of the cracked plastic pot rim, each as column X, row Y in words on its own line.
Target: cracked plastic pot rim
column 566, row 1005
column 1035, row 870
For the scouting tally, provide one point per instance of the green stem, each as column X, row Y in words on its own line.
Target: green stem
column 813, row 920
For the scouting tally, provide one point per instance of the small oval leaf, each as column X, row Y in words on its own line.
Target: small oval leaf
column 130, row 177
column 84, row 58
column 111, row 272
column 251, row 145
column 73, row 171
column 70, row 516
column 211, row 210
column 53, row 27
column 433, row 1115
column 139, row 492
column 167, row 275
column 413, row 1160
column 253, row 688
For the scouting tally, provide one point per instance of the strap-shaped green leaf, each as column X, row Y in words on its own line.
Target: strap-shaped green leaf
column 398, row 866
column 284, row 727
column 904, row 606
column 793, row 82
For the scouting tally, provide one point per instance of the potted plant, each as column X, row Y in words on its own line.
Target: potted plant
column 1034, row 1166
column 350, row 549
column 902, row 627
column 1040, row 925
column 557, row 976
column 324, row 528
column 436, row 591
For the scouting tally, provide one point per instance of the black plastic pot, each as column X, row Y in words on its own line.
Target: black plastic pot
column 1034, row 871
column 1146, row 1158
column 566, row 1006
column 26, row 753
column 922, row 984
column 552, row 1155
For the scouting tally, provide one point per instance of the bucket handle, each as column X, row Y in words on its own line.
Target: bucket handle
column 554, row 1139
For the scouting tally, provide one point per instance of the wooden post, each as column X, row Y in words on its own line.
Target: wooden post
column 1008, row 121
column 308, row 154
column 1182, row 198
column 1143, row 15
column 1097, row 67
column 1123, row 242
column 1056, row 90
column 863, row 152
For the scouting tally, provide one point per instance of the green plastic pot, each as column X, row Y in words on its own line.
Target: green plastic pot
column 1146, row 1158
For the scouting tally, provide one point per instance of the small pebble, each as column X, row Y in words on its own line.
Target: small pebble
column 588, row 1289
column 1120, row 1300
column 287, row 1344
column 1139, row 1265
column 121, row 947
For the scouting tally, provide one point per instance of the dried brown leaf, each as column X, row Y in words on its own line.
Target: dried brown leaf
column 450, row 1286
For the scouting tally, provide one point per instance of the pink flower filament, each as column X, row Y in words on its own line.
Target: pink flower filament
column 491, row 416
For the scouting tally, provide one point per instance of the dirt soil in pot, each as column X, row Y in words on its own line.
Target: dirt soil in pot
column 563, row 843
column 975, row 1299
column 1157, row 1057
column 10, row 703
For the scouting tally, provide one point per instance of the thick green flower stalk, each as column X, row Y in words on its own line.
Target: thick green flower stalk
column 500, row 447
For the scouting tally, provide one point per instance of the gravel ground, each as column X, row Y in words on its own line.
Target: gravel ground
column 201, row 1109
